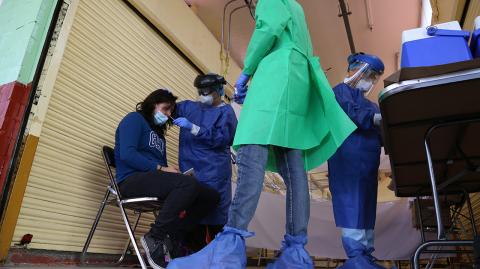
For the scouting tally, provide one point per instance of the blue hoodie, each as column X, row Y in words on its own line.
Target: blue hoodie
column 138, row 148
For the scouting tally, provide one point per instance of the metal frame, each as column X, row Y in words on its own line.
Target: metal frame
column 453, row 217
column 225, row 48
column 441, row 241
column 441, row 235
column 139, row 205
column 427, row 82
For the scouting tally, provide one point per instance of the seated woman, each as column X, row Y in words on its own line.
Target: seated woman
column 142, row 170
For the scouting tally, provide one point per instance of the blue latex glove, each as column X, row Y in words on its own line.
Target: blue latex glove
column 183, row 123
column 240, row 95
column 241, row 88
column 242, row 80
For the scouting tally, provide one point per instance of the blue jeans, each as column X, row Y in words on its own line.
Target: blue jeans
column 251, row 163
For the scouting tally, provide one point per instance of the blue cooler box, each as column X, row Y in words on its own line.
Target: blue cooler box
column 441, row 44
column 475, row 43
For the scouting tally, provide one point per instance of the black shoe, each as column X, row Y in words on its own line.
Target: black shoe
column 175, row 248
column 156, row 250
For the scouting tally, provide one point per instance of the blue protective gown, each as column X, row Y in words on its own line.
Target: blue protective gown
column 353, row 169
column 208, row 153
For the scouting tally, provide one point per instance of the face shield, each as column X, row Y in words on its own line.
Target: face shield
column 209, row 83
column 362, row 76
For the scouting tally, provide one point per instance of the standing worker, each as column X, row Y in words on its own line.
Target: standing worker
column 290, row 123
column 353, row 169
column 206, row 135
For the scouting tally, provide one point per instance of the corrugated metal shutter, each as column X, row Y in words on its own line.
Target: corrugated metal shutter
column 112, row 61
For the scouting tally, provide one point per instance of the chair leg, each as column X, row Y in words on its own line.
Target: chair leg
column 132, row 236
column 127, row 245
column 94, row 227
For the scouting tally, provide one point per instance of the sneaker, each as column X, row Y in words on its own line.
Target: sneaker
column 178, row 248
column 156, row 250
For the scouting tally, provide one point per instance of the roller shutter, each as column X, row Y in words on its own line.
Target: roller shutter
column 113, row 59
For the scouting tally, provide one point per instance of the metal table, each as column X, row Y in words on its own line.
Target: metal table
column 431, row 131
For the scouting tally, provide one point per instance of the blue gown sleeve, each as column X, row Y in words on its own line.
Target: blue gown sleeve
column 130, row 130
column 362, row 116
column 180, row 109
column 221, row 134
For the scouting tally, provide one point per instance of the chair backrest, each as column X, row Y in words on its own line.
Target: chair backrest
column 109, row 156
column 109, row 160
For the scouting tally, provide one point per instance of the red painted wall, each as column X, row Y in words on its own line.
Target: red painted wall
column 13, row 101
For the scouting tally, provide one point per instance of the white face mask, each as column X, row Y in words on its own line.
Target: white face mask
column 207, row 100
column 159, row 118
column 364, row 85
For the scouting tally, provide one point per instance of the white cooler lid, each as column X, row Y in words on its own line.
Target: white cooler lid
column 421, row 33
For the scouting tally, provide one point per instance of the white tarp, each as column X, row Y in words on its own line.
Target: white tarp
column 396, row 239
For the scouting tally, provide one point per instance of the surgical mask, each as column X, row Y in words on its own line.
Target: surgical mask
column 207, row 100
column 364, row 85
column 159, row 118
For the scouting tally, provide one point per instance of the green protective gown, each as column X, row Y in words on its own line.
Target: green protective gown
column 289, row 102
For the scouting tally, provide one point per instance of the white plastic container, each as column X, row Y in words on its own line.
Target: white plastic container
column 420, row 33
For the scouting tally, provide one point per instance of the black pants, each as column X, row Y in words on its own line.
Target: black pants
column 197, row 238
column 179, row 192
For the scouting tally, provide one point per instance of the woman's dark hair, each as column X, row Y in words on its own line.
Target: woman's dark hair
column 147, row 107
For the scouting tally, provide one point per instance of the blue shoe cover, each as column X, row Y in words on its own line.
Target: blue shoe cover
column 294, row 255
column 226, row 251
column 354, row 248
column 361, row 262
column 359, row 256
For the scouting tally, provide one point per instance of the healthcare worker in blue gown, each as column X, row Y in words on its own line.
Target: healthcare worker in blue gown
column 353, row 169
column 206, row 135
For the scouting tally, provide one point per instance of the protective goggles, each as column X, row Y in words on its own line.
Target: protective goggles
column 206, row 91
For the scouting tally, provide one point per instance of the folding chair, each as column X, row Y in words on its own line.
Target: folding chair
column 139, row 205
